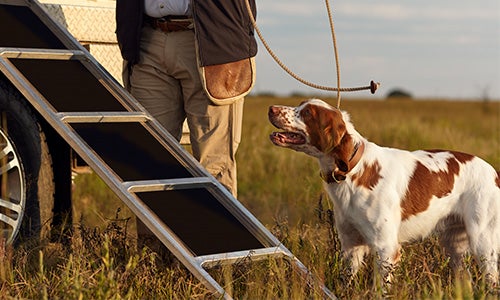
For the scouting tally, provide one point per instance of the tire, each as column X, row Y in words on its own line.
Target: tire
column 26, row 174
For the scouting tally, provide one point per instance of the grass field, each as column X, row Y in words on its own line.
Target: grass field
column 283, row 190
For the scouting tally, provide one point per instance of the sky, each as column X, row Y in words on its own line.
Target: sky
column 439, row 48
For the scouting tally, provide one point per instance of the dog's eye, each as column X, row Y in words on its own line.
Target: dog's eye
column 306, row 113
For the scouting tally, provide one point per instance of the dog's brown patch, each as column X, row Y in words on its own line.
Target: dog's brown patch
column 369, row 177
column 462, row 157
column 425, row 184
column 325, row 127
column 328, row 133
column 498, row 179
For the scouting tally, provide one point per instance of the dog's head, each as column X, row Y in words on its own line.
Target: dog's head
column 313, row 127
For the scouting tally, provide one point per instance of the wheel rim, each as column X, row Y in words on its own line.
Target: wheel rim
column 12, row 193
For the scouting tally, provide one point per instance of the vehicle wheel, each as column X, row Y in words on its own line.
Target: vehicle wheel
column 26, row 174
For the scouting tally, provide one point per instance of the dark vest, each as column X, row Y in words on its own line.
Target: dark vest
column 224, row 32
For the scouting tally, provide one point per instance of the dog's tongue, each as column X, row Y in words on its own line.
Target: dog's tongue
column 288, row 137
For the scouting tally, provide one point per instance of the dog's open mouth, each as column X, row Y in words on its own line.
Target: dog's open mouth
column 287, row 138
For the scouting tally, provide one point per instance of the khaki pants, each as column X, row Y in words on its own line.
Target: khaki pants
column 167, row 83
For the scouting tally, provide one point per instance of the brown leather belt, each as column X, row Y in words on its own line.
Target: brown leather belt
column 170, row 23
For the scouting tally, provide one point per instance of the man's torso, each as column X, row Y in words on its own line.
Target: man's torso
column 161, row 8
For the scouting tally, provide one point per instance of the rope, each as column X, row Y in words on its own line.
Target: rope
column 337, row 63
column 372, row 87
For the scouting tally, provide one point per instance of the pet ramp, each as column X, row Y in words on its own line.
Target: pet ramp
column 187, row 209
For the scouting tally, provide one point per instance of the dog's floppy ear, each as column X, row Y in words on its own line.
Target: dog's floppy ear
column 329, row 129
column 333, row 134
column 343, row 152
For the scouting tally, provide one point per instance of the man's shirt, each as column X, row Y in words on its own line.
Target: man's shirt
column 161, row 8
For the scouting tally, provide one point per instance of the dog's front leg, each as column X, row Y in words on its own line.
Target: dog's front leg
column 387, row 259
column 387, row 249
column 354, row 247
column 355, row 256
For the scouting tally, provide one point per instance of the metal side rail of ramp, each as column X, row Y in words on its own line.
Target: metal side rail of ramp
column 187, row 209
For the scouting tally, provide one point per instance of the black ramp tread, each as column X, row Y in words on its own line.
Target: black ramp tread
column 68, row 85
column 200, row 221
column 21, row 28
column 131, row 151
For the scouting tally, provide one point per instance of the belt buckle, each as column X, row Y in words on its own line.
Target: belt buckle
column 162, row 20
column 162, row 24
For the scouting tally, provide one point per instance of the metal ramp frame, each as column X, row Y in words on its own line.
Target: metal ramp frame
column 161, row 183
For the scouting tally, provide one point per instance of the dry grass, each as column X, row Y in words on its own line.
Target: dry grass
column 282, row 188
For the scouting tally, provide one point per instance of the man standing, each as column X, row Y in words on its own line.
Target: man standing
column 194, row 60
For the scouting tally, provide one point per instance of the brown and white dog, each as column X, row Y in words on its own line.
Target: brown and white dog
column 384, row 197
